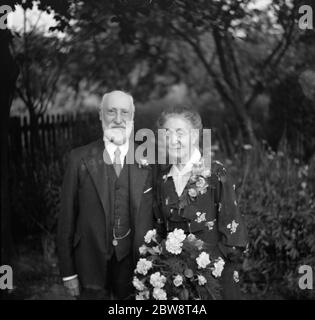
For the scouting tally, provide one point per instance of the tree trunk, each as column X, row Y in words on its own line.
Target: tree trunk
column 246, row 124
column 242, row 116
column 8, row 76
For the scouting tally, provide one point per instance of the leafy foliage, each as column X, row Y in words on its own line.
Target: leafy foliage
column 277, row 197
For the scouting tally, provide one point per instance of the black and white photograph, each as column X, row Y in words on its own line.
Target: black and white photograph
column 157, row 150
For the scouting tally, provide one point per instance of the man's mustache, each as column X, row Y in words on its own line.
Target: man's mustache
column 118, row 126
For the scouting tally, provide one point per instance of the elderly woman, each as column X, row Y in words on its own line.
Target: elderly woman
column 199, row 198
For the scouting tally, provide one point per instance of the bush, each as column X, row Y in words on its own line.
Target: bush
column 276, row 196
column 35, row 199
column 292, row 115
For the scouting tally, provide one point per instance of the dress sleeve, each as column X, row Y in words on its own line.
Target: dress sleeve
column 231, row 224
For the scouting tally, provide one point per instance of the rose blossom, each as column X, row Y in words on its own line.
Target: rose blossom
column 138, row 284
column 174, row 241
column 143, row 249
column 143, row 266
column 144, row 295
column 157, row 280
column 178, row 280
column 203, row 260
column 201, row 182
column 159, row 294
column 179, row 234
column 150, row 235
column 173, row 246
column 192, row 192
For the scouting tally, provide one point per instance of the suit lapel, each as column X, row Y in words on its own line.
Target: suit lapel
column 94, row 162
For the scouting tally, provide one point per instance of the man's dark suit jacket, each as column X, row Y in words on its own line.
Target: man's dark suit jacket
column 84, row 230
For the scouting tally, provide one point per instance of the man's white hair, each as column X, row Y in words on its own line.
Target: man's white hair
column 107, row 95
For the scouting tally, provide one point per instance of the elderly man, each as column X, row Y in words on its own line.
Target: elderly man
column 106, row 208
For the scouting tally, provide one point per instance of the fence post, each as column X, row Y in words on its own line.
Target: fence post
column 15, row 140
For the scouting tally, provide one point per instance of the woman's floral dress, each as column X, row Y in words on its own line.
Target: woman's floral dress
column 208, row 209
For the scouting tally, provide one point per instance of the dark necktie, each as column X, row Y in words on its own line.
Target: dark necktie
column 117, row 163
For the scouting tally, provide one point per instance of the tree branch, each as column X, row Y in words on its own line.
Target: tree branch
column 218, row 84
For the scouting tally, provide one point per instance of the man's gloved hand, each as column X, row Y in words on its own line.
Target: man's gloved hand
column 73, row 287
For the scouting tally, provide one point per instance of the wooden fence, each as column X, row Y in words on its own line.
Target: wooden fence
column 48, row 134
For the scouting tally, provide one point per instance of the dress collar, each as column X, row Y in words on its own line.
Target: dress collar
column 195, row 158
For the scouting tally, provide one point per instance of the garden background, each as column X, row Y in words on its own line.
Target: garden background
column 247, row 66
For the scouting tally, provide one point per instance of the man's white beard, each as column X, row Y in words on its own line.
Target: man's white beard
column 119, row 136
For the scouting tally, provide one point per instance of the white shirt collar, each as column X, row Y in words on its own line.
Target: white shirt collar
column 111, row 148
column 195, row 157
column 181, row 177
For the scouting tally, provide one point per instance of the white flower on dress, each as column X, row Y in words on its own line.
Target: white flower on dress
column 210, row 224
column 192, row 192
column 164, row 178
column 218, row 267
column 206, row 173
column 201, row 182
column 201, row 185
column 157, row 280
column 143, row 266
column 236, row 276
column 138, row 284
column 143, row 163
column 150, row 235
column 202, row 280
column 246, row 249
column 178, row 280
column 200, row 217
column 203, row 260
column 159, row 294
column 232, row 226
